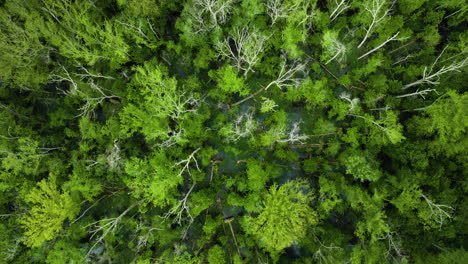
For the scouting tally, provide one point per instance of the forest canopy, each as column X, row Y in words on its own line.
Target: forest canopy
column 233, row 131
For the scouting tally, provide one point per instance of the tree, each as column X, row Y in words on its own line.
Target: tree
column 208, row 14
column 432, row 78
column 247, row 49
column 50, row 209
column 284, row 217
column 377, row 11
column 334, row 49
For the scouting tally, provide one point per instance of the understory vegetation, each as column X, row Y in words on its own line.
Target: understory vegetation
column 233, row 131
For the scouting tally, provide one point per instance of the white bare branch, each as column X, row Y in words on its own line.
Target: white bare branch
column 394, row 37
column 146, row 234
column 293, row 137
column 275, row 9
column 186, row 163
column 92, row 101
column 65, row 76
column 136, row 28
column 288, row 75
column 106, row 226
column 328, row 250
column 373, row 122
column 183, row 104
column 208, row 14
column 377, row 12
column 181, row 207
column 402, row 59
column 420, row 93
column 339, row 49
column 113, row 156
column 352, row 101
column 246, row 49
column 394, row 248
column 92, row 97
column 432, row 78
column 174, row 138
column 340, row 8
column 88, row 74
column 243, row 126
column 438, row 211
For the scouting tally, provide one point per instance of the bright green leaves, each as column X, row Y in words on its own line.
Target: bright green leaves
column 24, row 159
column 384, row 130
column 268, row 105
column 373, row 219
column 22, row 54
column 50, row 209
column 260, row 92
column 83, row 37
column 448, row 120
column 155, row 100
column 258, row 174
column 285, row 216
column 155, row 180
column 360, row 165
column 408, row 200
column 216, row 255
column 229, row 82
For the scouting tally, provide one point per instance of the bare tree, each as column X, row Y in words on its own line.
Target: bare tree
column 420, row 93
column 340, row 8
column 106, row 226
column 181, row 103
column 431, row 77
column 394, row 249
column 276, row 9
column 93, row 95
column 338, row 48
column 186, row 163
column 438, row 211
column 394, row 37
column 208, row 14
column 352, row 101
column 241, row 127
column 294, row 136
column 377, row 12
column 290, row 75
column 248, row 44
column 180, row 209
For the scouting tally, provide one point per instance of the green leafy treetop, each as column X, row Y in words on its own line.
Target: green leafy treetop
column 285, row 217
column 50, row 209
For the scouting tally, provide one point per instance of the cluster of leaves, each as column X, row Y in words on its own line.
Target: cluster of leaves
column 229, row 131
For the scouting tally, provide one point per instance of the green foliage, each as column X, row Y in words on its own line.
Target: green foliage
column 198, row 131
column 216, row 255
column 50, row 209
column 152, row 179
column 229, row 81
column 284, row 217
